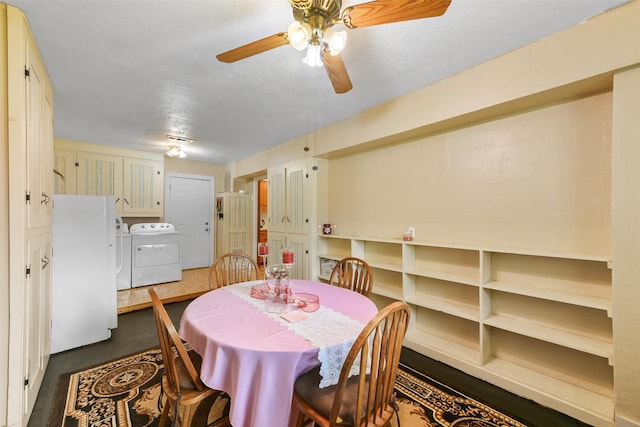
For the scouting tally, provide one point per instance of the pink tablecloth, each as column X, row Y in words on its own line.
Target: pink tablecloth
column 255, row 359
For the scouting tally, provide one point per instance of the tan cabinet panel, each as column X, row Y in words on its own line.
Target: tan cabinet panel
column 64, row 166
column 143, row 187
column 99, row 174
column 134, row 178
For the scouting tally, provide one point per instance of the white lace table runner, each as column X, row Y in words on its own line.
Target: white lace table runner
column 332, row 332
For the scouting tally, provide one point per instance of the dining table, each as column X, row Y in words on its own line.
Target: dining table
column 254, row 349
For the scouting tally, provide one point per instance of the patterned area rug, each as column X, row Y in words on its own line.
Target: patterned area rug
column 126, row 393
column 423, row 402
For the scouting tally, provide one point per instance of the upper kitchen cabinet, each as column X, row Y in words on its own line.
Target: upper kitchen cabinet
column 98, row 174
column 135, row 178
column 63, row 165
column 143, row 187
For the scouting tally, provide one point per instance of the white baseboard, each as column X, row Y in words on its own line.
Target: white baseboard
column 626, row 422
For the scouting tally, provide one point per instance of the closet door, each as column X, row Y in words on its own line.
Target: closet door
column 277, row 200
column 39, row 139
column 296, row 199
column 37, row 317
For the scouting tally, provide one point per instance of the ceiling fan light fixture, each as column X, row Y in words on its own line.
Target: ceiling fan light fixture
column 335, row 40
column 298, row 34
column 314, row 56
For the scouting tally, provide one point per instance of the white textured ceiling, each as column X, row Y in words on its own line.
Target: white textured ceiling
column 127, row 73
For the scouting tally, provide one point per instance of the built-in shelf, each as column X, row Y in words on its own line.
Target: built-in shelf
column 535, row 322
column 553, row 295
column 595, row 346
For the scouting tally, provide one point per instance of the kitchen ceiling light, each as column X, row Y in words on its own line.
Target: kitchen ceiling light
column 175, row 151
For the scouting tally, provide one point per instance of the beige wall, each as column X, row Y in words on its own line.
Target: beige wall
column 196, row 168
column 537, row 149
column 539, row 179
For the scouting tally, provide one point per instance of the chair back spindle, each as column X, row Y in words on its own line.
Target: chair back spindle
column 365, row 399
column 181, row 384
column 353, row 273
column 232, row 268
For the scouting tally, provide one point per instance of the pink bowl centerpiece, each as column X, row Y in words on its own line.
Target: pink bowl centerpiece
column 306, row 302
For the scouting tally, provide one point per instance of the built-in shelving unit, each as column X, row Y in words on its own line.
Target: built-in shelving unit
column 534, row 322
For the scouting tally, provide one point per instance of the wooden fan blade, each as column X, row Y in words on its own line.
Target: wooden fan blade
column 254, row 48
column 388, row 11
column 337, row 72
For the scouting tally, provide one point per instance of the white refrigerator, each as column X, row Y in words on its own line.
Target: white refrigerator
column 84, row 291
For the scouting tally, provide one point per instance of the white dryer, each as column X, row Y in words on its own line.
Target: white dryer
column 123, row 255
column 156, row 255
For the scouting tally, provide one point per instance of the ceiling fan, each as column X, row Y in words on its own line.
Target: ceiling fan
column 312, row 29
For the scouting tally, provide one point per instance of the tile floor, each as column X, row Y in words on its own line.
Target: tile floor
column 194, row 282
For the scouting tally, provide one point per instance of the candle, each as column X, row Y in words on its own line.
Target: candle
column 287, row 256
column 263, row 250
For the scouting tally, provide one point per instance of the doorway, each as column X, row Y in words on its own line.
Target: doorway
column 190, row 209
column 263, row 215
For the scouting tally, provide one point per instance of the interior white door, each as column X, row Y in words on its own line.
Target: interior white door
column 190, row 210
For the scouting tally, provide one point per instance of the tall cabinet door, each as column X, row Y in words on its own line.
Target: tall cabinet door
column 37, row 318
column 299, row 244
column 143, row 187
column 233, row 232
column 277, row 202
column 289, row 212
column 39, row 143
column 297, row 216
column 288, row 206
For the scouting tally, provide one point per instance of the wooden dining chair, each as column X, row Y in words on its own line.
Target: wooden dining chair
column 366, row 399
column 232, row 268
column 353, row 273
column 181, row 384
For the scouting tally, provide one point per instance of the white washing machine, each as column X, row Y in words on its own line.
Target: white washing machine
column 156, row 255
column 123, row 255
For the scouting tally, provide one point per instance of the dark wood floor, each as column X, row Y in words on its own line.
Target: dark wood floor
column 518, row 408
column 136, row 331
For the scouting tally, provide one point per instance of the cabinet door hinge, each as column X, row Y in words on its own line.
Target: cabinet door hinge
column 28, row 271
column 28, row 197
column 26, row 381
column 26, row 73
